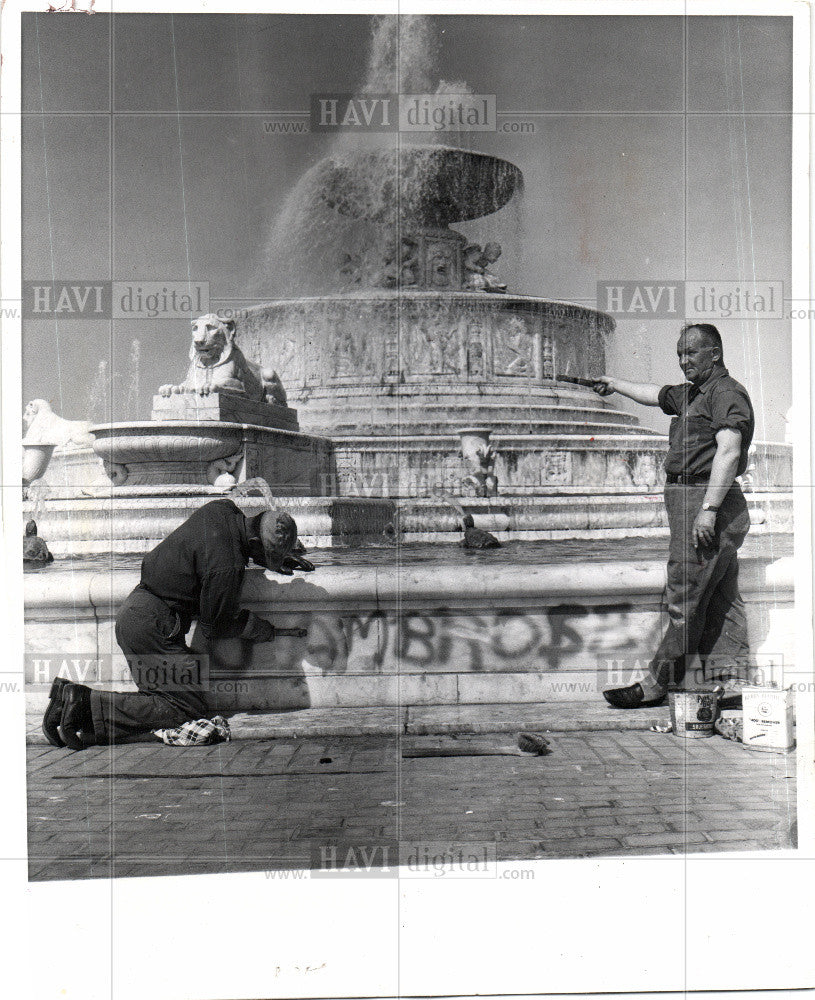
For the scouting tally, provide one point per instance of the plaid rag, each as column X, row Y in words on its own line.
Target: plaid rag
column 196, row 733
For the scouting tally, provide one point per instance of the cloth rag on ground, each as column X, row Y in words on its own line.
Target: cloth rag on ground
column 198, row 732
column 533, row 743
column 731, row 727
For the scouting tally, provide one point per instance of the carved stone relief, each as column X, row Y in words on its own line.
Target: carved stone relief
column 513, row 348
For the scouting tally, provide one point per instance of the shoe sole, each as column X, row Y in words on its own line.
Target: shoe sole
column 50, row 720
column 71, row 740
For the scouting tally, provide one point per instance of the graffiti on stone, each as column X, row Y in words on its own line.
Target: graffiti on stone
column 507, row 640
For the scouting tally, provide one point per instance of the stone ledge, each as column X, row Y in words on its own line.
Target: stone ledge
column 341, row 586
column 560, row 717
column 553, row 717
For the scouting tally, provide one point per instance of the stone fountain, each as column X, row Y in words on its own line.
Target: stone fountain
column 423, row 387
column 426, row 341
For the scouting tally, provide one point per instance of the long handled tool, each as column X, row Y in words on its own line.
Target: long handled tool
column 590, row 383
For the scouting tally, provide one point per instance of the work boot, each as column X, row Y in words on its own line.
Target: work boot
column 76, row 723
column 53, row 714
column 631, row 697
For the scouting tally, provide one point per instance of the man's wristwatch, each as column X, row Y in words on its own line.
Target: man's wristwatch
column 709, row 506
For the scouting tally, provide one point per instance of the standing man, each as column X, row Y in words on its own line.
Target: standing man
column 710, row 435
column 196, row 572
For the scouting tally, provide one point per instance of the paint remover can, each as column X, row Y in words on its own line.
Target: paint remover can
column 768, row 719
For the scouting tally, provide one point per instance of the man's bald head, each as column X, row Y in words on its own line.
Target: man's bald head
column 699, row 351
column 709, row 334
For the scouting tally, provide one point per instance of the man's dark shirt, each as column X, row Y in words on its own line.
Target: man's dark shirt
column 699, row 413
column 198, row 569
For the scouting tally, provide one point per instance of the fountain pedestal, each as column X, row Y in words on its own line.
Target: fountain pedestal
column 227, row 407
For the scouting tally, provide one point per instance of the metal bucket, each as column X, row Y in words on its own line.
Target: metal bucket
column 693, row 713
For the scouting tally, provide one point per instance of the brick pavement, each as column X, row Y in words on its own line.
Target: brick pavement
column 147, row 809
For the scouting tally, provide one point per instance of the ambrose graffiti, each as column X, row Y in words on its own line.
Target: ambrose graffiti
column 508, row 640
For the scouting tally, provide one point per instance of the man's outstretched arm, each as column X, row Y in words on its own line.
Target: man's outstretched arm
column 641, row 392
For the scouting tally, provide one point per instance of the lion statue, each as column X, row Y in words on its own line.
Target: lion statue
column 219, row 365
column 43, row 426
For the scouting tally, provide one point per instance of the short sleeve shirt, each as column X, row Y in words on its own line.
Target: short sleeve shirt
column 699, row 412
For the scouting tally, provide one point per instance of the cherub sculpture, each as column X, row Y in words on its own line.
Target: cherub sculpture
column 476, row 264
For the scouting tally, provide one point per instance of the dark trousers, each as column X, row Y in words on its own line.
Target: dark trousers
column 151, row 636
column 705, row 610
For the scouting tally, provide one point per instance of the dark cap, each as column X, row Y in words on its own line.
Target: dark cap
column 278, row 532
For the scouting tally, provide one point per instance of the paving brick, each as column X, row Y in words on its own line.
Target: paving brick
column 665, row 839
column 727, row 836
column 564, row 833
column 624, row 829
column 747, row 845
column 684, row 821
column 583, row 845
column 743, row 821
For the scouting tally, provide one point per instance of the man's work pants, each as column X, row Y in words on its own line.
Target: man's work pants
column 705, row 610
column 152, row 638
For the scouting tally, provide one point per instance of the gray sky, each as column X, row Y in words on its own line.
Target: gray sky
column 605, row 173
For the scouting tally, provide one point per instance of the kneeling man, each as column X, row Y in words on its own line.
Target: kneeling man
column 710, row 435
column 196, row 572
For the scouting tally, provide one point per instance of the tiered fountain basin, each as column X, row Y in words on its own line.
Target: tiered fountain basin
column 111, row 521
column 215, row 439
column 390, row 337
column 391, row 376
column 420, row 186
column 426, row 630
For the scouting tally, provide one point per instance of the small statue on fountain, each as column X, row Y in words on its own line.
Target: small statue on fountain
column 400, row 266
column 42, row 424
column 439, row 266
column 476, row 264
column 482, row 478
column 217, row 364
column 35, row 549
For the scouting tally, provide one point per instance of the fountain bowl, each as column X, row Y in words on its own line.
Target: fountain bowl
column 473, row 439
column 427, row 185
column 36, row 456
column 144, row 451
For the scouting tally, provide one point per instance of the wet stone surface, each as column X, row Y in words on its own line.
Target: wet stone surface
column 512, row 553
